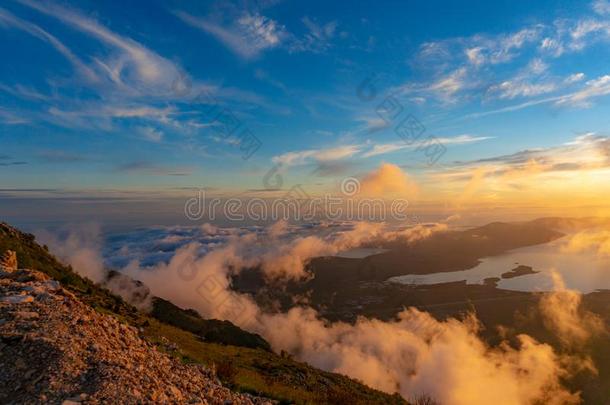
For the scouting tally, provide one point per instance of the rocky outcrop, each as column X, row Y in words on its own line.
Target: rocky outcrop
column 9, row 260
column 56, row 349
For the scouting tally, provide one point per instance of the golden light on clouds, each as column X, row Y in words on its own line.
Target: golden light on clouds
column 388, row 181
column 571, row 176
column 586, row 241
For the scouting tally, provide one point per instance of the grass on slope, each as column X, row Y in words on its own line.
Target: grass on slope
column 259, row 372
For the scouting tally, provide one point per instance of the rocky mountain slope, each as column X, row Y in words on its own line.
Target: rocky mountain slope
column 57, row 349
column 62, row 335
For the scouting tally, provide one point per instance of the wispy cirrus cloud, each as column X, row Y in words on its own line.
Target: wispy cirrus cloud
column 332, row 155
column 9, row 117
column 121, row 79
column 92, row 115
column 123, row 71
column 533, row 80
column 482, row 67
column 9, row 20
column 131, row 66
column 479, row 49
column 150, row 134
column 448, row 86
column 24, row 92
column 456, row 63
column 501, row 48
column 374, row 123
column 248, row 36
column 381, row 149
column 601, row 7
column 318, row 38
column 316, row 155
column 592, row 89
column 580, row 98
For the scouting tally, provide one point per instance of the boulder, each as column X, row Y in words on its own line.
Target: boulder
column 9, row 261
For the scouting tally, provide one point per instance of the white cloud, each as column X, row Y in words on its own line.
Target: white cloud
column 138, row 112
column 80, row 247
column 24, row 92
column 130, row 80
column 447, row 86
column 592, row 89
column 121, row 112
column 348, row 151
column 574, row 35
column 317, row 39
column 503, row 50
column 248, row 36
column 261, row 32
column 511, row 89
column 374, row 123
column 584, row 29
column 151, row 134
column 10, row 118
column 601, row 7
column 384, row 148
column 552, row 46
column 93, row 115
column 321, row 32
column 317, row 155
column 481, row 49
column 562, row 313
column 574, row 78
column 581, row 98
column 515, row 107
column 536, row 66
column 457, row 62
column 9, row 20
column 462, row 65
column 475, row 55
column 131, row 68
column 381, row 149
column 529, row 82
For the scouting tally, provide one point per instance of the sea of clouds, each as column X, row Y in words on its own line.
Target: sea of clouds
column 413, row 354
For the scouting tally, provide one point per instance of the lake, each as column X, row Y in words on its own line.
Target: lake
column 585, row 272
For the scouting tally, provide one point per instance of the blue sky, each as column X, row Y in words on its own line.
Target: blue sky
column 102, row 96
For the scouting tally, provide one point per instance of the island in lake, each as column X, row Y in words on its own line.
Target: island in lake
column 520, row 270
